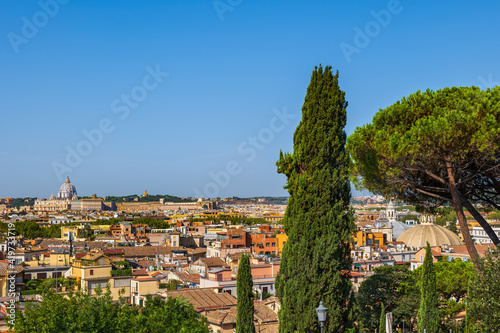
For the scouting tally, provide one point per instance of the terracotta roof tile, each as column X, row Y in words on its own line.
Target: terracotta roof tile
column 204, row 298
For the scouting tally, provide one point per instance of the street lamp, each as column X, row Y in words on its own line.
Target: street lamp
column 321, row 311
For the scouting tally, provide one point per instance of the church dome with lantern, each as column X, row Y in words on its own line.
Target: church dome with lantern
column 67, row 190
column 427, row 231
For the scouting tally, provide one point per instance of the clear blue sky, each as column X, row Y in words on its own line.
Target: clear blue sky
column 230, row 63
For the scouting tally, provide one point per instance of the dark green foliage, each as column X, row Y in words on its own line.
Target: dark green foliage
column 483, row 305
column 393, row 286
column 244, row 285
column 52, row 231
column 149, row 198
column 30, row 229
column 151, row 222
column 122, row 272
column 171, row 285
column 400, row 291
column 32, row 292
column 18, row 202
column 452, row 278
column 122, row 263
column 428, row 317
column 80, row 313
column 409, row 217
column 493, row 216
column 318, row 220
column 433, row 148
column 381, row 326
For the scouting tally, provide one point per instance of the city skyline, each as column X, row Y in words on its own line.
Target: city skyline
column 197, row 99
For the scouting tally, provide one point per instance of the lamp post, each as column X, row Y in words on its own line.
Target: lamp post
column 321, row 311
column 403, row 326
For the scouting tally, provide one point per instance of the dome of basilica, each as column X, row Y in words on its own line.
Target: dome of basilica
column 418, row 236
column 67, row 190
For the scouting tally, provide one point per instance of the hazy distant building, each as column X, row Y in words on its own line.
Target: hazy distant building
column 481, row 237
column 67, row 190
column 66, row 193
column 388, row 219
column 92, row 204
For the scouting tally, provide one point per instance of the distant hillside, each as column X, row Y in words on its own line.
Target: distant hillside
column 18, row 202
column 261, row 200
column 157, row 197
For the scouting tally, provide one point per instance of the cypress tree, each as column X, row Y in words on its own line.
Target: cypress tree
column 381, row 326
column 318, row 220
column 428, row 314
column 244, row 284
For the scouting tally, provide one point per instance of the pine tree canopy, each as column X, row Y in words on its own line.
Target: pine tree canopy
column 316, row 259
column 433, row 148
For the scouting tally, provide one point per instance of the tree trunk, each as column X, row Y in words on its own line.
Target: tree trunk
column 480, row 219
column 462, row 221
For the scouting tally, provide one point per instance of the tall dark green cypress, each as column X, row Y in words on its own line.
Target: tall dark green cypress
column 244, row 284
column 319, row 223
column 381, row 325
column 428, row 317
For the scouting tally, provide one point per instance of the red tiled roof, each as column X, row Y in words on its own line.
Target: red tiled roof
column 190, row 278
column 140, row 272
column 113, row 251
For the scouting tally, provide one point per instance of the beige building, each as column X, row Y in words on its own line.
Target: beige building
column 94, row 271
column 92, row 204
column 8, row 285
column 66, row 193
column 141, row 287
column 80, row 233
column 52, row 205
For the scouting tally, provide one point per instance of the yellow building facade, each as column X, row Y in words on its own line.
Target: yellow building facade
column 282, row 239
column 364, row 238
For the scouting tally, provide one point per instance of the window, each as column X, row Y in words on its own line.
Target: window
column 119, row 283
column 91, row 272
column 267, row 244
column 95, row 284
column 41, row 275
column 421, row 258
column 274, row 244
column 27, row 276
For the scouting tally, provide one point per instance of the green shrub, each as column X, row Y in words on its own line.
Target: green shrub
column 122, row 272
